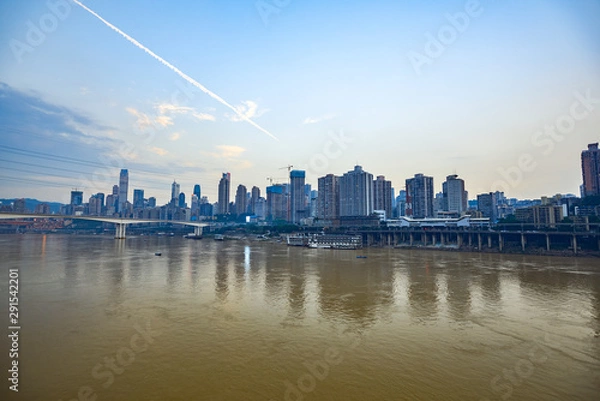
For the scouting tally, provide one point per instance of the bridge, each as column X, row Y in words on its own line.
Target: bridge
column 120, row 223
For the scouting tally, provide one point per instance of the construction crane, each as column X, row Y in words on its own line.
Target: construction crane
column 288, row 167
column 271, row 179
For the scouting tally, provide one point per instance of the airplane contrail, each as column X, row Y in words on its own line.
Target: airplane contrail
column 176, row 70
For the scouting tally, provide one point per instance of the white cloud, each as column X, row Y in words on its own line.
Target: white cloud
column 204, row 116
column 159, row 151
column 174, row 136
column 164, row 121
column 248, row 109
column 314, row 120
column 143, row 121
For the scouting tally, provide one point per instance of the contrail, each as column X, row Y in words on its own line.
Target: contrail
column 176, row 70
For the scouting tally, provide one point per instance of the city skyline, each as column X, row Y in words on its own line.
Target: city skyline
column 505, row 108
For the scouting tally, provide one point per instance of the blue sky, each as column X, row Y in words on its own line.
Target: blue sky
column 306, row 72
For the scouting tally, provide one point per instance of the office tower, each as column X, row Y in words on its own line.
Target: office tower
column 181, row 201
column 297, row 196
column 260, row 210
column 138, row 198
column 487, row 204
column 328, row 201
column 254, row 199
column 19, row 204
column 224, row 185
column 455, row 196
column 123, row 190
column 197, row 191
column 401, row 203
column 96, row 204
column 419, row 196
column 356, row 193
column 175, row 188
column 151, row 202
column 590, row 169
column 276, row 203
column 240, row 200
column 382, row 195
column 76, row 198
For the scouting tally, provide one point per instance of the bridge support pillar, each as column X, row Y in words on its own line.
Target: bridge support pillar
column 574, row 242
column 120, row 231
column 434, row 239
column 500, row 242
column 424, row 239
column 479, row 241
column 198, row 231
column 489, row 241
column 547, row 242
column 470, row 239
column 459, row 240
column 411, row 239
column 523, row 242
column 442, row 238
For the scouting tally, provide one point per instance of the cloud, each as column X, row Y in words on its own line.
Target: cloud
column 174, row 136
column 170, row 109
column 229, row 151
column 163, row 121
column 204, row 116
column 159, row 151
column 143, row 121
column 314, row 120
column 245, row 111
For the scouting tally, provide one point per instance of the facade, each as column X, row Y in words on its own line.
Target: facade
column 123, row 190
column 590, row 168
column 76, row 198
column 181, row 201
column 197, row 191
column 455, row 196
column 224, row 186
column 240, row 200
column 419, row 197
column 356, row 193
column 487, row 204
column 175, row 188
column 276, row 203
column 382, row 196
column 297, row 196
column 328, row 201
column 138, row 198
column 254, row 197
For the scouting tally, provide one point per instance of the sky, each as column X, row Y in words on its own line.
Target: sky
column 506, row 94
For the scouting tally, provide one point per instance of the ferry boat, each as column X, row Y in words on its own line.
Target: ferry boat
column 297, row 240
column 335, row 241
column 219, row 237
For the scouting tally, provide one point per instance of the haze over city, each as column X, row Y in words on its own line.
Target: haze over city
column 480, row 89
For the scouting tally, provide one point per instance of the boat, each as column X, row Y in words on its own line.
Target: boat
column 157, row 253
column 361, row 257
column 297, row 240
column 219, row 237
column 335, row 241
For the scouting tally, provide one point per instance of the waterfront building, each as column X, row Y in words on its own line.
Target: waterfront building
column 138, row 198
column 487, row 204
column 328, row 201
column 590, row 168
column 197, row 191
column 254, row 197
column 419, row 196
column 240, row 200
column 175, row 188
column 224, row 186
column 181, row 201
column 123, row 190
column 382, row 196
column 297, row 196
column 356, row 193
column 276, row 203
column 455, row 196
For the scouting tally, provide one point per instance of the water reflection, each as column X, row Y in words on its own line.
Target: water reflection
column 423, row 290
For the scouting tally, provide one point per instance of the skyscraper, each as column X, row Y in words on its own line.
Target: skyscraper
column 276, row 203
column 76, row 198
column 123, row 190
column 197, row 191
column 356, row 193
column 175, row 188
column 297, row 196
column 328, row 198
column 590, row 168
column 181, row 201
column 487, row 204
column 455, row 196
column 382, row 195
column 138, row 198
column 240, row 200
column 224, row 185
column 419, row 196
column 254, row 199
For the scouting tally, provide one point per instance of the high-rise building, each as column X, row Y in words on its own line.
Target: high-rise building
column 197, row 191
column 382, row 195
column 175, row 188
column 254, row 199
column 401, row 203
column 356, row 193
column 123, row 190
column 328, row 201
column 455, row 196
column 297, row 196
column 181, row 201
column 151, row 202
column 590, row 168
column 240, row 200
column 138, row 198
column 96, row 204
column 487, row 204
column 276, row 203
column 224, row 185
column 76, row 198
column 419, row 197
